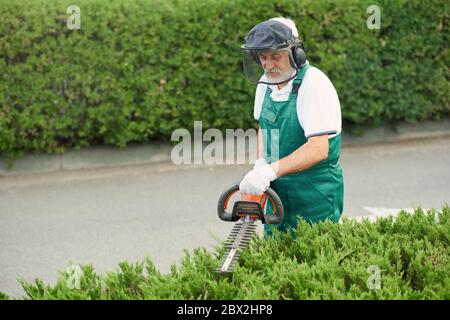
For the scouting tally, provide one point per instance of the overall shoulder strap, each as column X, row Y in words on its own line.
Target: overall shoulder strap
column 298, row 80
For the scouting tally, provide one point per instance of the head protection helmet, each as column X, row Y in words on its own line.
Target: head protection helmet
column 272, row 40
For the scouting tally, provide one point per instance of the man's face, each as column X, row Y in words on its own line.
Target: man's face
column 276, row 64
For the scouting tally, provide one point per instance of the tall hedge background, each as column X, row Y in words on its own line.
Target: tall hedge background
column 138, row 69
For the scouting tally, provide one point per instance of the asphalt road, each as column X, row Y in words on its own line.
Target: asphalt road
column 102, row 217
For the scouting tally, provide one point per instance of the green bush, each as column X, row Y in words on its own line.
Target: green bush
column 326, row 261
column 138, row 69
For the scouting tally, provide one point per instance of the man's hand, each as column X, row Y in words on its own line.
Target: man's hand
column 258, row 180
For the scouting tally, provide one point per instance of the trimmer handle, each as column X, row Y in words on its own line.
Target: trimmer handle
column 254, row 206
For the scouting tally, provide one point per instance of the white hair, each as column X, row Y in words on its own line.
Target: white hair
column 289, row 23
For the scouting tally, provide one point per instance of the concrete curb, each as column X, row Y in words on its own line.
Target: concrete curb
column 403, row 132
column 88, row 158
column 105, row 156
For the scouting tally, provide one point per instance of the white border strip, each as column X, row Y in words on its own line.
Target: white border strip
column 380, row 212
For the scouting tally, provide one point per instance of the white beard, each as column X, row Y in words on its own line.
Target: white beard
column 284, row 76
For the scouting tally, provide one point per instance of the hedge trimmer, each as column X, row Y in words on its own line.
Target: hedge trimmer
column 245, row 214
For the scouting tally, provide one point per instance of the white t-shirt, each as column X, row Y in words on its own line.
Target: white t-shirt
column 318, row 107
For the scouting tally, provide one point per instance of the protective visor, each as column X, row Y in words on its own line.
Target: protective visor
column 269, row 66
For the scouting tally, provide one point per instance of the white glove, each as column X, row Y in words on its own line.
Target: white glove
column 259, row 162
column 258, row 180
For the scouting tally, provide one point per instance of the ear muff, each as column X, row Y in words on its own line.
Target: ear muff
column 299, row 55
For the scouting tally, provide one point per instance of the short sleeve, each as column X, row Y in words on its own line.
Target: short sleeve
column 318, row 106
column 259, row 98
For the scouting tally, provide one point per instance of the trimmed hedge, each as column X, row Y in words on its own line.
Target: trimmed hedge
column 326, row 261
column 137, row 70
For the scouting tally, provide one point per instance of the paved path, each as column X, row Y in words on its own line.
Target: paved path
column 106, row 216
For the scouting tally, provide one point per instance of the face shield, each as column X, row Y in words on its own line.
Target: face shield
column 269, row 66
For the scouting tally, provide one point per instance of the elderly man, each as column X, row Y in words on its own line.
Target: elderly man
column 299, row 136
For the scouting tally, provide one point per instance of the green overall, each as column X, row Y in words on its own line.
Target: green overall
column 315, row 194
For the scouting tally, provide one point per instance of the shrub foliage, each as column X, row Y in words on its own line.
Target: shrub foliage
column 325, row 261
